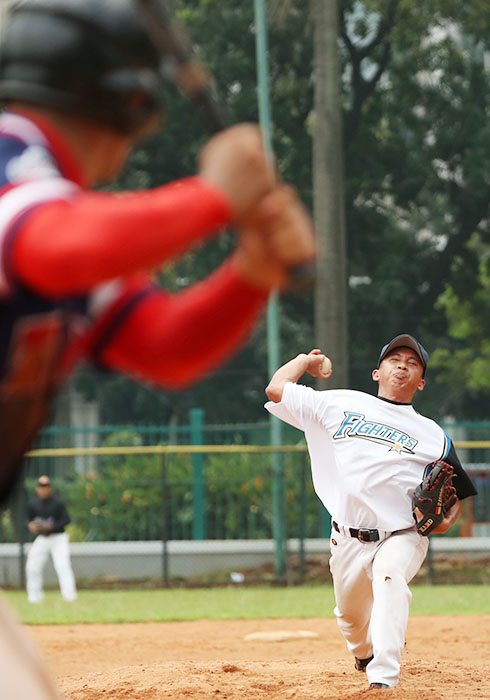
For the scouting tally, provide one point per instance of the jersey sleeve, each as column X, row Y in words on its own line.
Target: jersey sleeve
column 279, row 410
column 67, row 246
column 30, row 176
column 300, row 405
column 462, row 481
column 17, row 205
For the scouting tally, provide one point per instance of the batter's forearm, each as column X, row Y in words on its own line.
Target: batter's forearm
column 68, row 247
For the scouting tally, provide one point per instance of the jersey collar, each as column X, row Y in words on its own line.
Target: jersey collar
column 396, row 403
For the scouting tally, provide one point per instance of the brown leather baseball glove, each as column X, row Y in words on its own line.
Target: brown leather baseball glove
column 433, row 497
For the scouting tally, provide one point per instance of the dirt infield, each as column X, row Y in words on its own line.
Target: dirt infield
column 210, row 659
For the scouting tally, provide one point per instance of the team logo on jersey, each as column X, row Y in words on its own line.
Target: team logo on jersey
column 355, row 425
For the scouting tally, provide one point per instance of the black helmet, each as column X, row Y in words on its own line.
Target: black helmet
column 91, row 57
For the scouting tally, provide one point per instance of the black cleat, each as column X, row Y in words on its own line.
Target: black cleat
column 361, row 664
column 378, row 686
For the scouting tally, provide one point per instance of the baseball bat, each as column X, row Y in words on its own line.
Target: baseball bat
column 180, row 65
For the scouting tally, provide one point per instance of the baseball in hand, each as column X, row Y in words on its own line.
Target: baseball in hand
column 326, row 365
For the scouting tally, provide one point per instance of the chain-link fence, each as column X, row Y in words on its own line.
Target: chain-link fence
column 138, row 492
column 185, row 492
column 174, row 492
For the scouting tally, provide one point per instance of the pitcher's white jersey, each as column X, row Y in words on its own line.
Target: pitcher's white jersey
column 367, row 454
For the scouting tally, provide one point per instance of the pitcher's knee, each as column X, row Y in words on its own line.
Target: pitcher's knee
column 350, row 622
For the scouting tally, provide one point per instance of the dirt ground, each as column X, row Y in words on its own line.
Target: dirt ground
column 211, row 660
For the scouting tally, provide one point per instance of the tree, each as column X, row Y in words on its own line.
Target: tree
column 328, row 183
column 417, row 163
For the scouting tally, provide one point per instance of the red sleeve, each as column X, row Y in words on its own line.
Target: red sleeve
column 67, row 247
column 175, row 340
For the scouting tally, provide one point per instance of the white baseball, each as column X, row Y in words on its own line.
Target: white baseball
column 326, row 365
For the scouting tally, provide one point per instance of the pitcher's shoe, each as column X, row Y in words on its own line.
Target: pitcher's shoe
column 361, row 664
column 378, row 686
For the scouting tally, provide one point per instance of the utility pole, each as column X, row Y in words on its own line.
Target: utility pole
column 273, row 311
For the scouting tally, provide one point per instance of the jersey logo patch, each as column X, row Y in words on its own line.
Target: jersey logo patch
column 355, row 425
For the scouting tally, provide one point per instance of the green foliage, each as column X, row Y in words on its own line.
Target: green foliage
column 131, row 498
column 118, row 503
column 148, row 497
column 465, row 367
column 417, row 182
column 7, row 528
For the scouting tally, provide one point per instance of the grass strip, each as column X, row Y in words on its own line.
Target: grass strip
column 116, row 606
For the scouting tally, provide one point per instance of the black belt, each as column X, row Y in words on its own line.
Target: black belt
column 363, row 534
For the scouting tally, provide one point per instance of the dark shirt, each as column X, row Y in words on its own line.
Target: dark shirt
column 51, row 509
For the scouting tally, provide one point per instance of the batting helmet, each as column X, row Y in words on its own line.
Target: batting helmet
column 92, row 57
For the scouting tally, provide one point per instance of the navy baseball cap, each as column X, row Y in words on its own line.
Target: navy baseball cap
column 406, row 341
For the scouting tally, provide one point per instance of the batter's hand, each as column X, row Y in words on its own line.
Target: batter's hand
column 235, row 162
column 275, row 238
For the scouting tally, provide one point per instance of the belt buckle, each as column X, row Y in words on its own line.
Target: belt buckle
column 364, row 532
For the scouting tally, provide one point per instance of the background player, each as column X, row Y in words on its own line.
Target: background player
column 47, row 518
column 80, row 82
column 368, row 454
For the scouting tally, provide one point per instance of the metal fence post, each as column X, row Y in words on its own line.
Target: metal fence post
column 199, row 521
column 302, row 519
column 279, row 514
column 273, row 339
column 164, row 516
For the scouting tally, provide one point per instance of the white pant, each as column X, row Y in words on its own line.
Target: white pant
column 372, row 596
column 58, row 546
